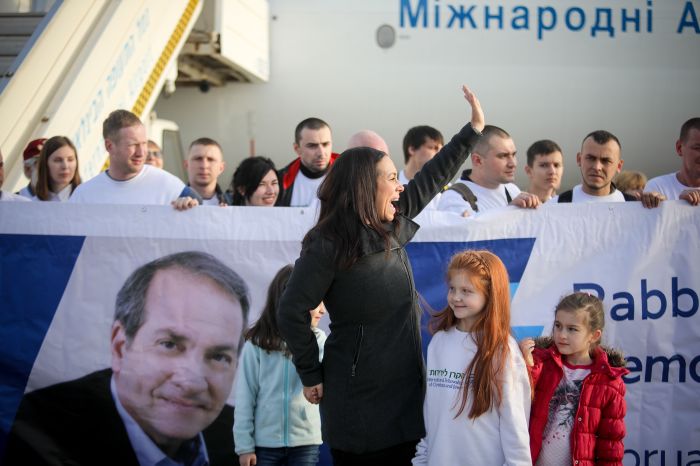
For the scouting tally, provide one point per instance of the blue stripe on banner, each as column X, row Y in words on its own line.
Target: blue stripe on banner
column 513, row 289
column 525, row 331
column 34, row 271
column 429, row 261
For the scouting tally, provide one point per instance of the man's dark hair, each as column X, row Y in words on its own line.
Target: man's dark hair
column 416, row 137
column 541, row 147
column 117, row 120
column 309, row 123
column 600, row 136
column 205, row 142
column 489, row 132
column 130, row 307
column 693, row 123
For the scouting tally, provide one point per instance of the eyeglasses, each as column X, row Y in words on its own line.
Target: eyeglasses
column 155, row 153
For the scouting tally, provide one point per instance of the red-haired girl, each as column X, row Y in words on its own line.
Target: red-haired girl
column 478, row 396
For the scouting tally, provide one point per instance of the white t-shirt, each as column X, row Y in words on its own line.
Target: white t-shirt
column 499, row 436
column 214, row 200
column 305, row 191
column 668, row 185
column 556, row 440
column 452, row 201
column 152, row 186
column 61, row 196
column 5, row 196
column 433, row 204
column 579, row 196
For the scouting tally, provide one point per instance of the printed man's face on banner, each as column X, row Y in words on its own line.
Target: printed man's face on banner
column 176, row 374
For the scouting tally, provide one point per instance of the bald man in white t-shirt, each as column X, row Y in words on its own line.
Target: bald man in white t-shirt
column 489, row 184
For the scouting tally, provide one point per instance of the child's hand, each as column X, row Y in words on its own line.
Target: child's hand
column 248, row 459
column 526, row 347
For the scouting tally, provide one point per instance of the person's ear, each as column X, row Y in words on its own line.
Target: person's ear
column 117, row 346
column 411, row 152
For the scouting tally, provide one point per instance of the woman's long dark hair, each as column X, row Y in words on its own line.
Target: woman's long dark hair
column 248, row 176
column 265, row 332
column 347, row 197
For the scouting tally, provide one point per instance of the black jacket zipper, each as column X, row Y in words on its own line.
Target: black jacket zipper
column 358, row 348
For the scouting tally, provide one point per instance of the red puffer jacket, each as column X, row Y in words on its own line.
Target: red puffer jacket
column 599, row 425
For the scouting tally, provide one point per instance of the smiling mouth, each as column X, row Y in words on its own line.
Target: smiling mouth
column 184, row 404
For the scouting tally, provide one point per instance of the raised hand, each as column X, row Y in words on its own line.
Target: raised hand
column 477, row 120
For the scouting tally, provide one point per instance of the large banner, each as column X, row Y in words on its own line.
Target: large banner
column 62, row 266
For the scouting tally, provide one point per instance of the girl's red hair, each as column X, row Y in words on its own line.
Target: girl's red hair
column 491, row 330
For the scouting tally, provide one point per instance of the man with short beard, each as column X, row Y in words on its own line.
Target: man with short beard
column 300, row 179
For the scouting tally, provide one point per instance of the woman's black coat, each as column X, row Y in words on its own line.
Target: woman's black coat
column 373, row 370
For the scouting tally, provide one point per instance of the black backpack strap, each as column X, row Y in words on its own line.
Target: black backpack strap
column 566, row 196
column 466, row 194
column 508, row 198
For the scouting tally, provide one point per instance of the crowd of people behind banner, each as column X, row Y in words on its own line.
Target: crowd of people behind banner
column 482, row 398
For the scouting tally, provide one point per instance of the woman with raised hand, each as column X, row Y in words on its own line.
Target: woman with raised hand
column 371, row 382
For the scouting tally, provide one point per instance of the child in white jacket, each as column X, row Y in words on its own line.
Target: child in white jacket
column 477, row 402
column 274, row 424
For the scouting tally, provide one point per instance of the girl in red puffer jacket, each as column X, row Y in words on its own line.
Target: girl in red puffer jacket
column 578, row 410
